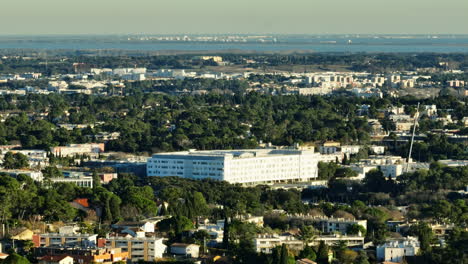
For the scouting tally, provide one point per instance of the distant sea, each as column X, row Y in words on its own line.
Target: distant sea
column 281, row 43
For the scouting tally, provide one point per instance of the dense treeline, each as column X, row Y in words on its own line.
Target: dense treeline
column 156, row 122
column 380, row 62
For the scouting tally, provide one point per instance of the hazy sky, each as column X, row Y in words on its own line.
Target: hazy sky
column 233, row 16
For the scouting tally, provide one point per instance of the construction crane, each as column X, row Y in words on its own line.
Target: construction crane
column 416, row 116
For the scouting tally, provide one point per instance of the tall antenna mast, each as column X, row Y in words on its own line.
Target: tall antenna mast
column 416, row 116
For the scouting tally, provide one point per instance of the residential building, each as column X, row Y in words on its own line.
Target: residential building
column 107, row 177
column 391, row 171
column 305, row 261
column 189, row 250
column 64, row 259
column 83, row 181
column 396, row 249
column 350, row 149
column 64, row 240
column 367, row 92
column 378, row 150
column 84, row 255
column 205, row 58
column 456, row 83
column 237, row 166
column 430, row 110
column 35, row 175
column 341, row 225
column 403, row 126
column 146, row 227
column 266, row 243
column 351, row 241
column 138, row 248
column 91, row 149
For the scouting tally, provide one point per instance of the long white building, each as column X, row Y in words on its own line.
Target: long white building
column 237, row 166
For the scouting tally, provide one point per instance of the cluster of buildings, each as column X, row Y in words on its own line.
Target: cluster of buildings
column 127, row 242
column 111, row 81
column 141, row 241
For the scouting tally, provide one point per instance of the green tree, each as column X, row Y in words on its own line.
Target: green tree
column 14, row 258
column 284, row 258
column 307, row 234
column 425, row 235
column 308, row 252
column 355, row 229
column 362, row 258
column 15, row 161
column 322, row 253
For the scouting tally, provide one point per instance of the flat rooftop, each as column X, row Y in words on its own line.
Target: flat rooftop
column 244, row 153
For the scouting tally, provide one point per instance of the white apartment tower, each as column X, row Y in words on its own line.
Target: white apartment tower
column 237, row 166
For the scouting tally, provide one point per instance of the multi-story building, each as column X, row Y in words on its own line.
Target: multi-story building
column 82, row 181
column 237, row 166
column 78, row 149
column 266, row 243
column 351, row 241
column 341, row 225
column 138, row 248
column 64, row 240
column 395, row 250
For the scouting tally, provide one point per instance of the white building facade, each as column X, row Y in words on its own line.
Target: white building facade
column 237, row 166
column 396, row 250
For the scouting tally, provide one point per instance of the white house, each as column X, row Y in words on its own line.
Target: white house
column 190, row 250
column 394, row 250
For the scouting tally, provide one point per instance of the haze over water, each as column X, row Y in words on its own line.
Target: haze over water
column 267, row 43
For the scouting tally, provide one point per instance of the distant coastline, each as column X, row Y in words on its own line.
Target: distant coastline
column 179, row 44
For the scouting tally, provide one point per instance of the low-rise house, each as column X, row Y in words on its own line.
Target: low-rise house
column 305, row 261
column 22, row 234
column 132, row 228
column 350, row 149
column 376, row 128
column 85, row 255
column 215, row 231
column 403, row 126
column 107, row 177
column 189, row 250
column 56, row 260
column 465, row 121
column 396, row 249
column 3, row 256
column 378, row 150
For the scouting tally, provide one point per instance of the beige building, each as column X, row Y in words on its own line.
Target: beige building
column 138, row 248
